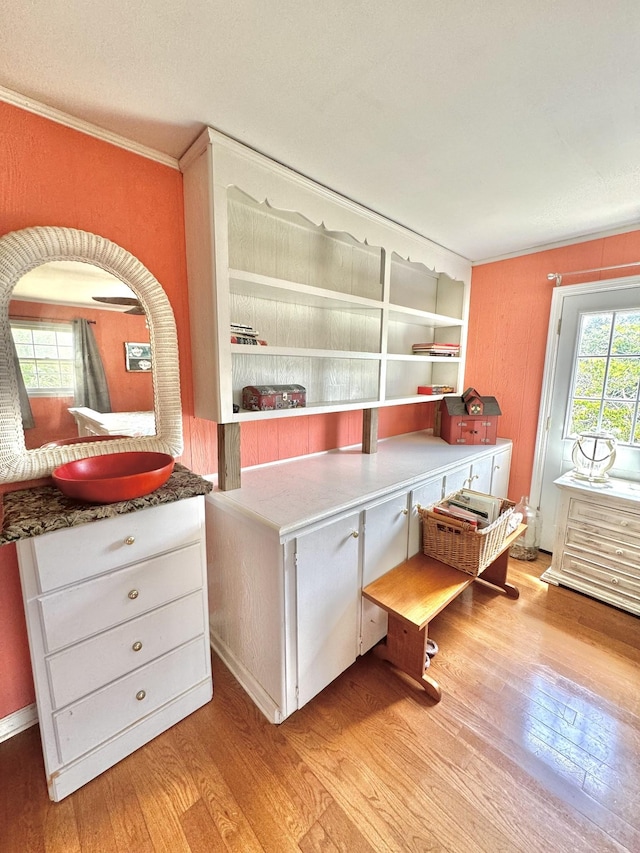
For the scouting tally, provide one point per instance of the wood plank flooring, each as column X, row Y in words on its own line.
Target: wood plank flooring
column 535, row 746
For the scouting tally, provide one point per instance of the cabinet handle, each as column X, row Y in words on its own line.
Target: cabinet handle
column 136, row 646
column 133, row 594
column 140, row 695
column 129, row 540
column 355, row 534
column 405, row 511
column 619, row 552
column 615, row 581
column 624, row 523
column 496, row 467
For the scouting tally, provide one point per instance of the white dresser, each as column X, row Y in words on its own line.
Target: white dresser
column 597, row 542
column 118, row 633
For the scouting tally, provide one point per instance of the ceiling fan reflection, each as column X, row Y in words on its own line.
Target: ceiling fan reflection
column 135, row 306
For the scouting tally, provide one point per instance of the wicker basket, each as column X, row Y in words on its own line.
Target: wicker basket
column 457, row 544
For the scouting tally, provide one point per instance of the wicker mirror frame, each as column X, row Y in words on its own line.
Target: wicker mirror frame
column 22, row 251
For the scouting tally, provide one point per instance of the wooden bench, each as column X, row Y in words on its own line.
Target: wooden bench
column 416, row 591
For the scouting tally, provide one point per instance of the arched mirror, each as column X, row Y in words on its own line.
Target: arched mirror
column 57, row 284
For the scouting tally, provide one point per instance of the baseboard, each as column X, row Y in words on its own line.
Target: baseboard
column 18, row 722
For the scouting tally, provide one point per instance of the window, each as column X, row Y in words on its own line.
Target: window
column 45, row 351
column 606, row 377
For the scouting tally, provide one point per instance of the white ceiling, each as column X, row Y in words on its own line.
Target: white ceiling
column 490, row 127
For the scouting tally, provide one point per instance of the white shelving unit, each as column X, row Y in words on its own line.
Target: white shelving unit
column 338, row 293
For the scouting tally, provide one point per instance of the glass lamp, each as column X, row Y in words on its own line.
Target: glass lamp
column 593, row 455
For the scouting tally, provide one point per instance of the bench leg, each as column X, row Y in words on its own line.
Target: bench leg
column 406, row 649
column 496, row 575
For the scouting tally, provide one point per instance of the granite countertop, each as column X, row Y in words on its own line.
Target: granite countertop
column 43, row 509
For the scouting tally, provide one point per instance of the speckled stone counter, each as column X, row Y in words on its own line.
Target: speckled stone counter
column 31, row 512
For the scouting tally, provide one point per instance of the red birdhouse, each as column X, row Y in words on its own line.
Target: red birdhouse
column 469, row 419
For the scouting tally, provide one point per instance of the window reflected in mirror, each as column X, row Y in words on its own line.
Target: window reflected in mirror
column 73, row 325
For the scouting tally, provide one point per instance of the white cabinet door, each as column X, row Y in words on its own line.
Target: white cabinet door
column 425, row 494
column 386, row 529
column 327, row 598
column 457, row 478
column 481, row 475
column 501, row 465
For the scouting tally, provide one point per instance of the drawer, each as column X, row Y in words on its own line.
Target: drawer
column 83, row 610
column 608, row 520
column 613, row 580
column 87, row 666
column 86, row 724
column 627, row 554
column 70, row 555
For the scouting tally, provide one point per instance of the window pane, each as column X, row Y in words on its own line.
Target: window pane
column 626, row 334
column 584, row 416
column 590, row 374
column 29, row 374
column 44, row 336
column 66, row 374
column 24, row 350
column 595, row 331
column 21, row 336
column 49, row 375
column 617, row 418
column 42, row 351
column 622, row 381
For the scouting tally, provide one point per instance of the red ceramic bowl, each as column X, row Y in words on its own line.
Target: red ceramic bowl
column 114, row 476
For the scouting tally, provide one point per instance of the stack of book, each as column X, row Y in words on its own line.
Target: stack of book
column 436, row 349
column 243, row 334
column 477, row 509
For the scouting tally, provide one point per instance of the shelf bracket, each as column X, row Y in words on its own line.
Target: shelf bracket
column 370, row 430
column 229, row 461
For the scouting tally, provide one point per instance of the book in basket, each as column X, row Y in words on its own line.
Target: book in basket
column 461, row 543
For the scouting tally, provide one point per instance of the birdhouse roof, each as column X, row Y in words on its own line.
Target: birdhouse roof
column 456, row 406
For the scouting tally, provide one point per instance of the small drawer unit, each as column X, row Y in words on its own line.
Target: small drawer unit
column 597, row 543
column 118, row 632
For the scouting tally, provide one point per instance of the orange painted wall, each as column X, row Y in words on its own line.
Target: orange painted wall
column 52, row 175
column 509, row 318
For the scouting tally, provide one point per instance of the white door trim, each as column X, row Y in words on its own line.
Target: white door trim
column 551, row 354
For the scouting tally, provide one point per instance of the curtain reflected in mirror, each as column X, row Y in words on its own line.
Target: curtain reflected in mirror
column 71, row 322
column 25, row 406
column 90, row 380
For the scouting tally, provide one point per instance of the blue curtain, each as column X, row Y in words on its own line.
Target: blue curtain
column 90, row 387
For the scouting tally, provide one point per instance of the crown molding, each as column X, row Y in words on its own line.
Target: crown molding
column 570, row 241
column 37, row 107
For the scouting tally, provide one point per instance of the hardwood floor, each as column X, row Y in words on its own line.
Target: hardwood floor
column 535, row 746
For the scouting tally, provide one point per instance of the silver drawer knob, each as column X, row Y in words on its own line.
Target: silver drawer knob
column 619, row 552
column 405, row 511
column 133, row 594
column 624, row 523
column 129, row 540
column 136, row 646
column 355, row 534
column 615, row 581
column 140, row 695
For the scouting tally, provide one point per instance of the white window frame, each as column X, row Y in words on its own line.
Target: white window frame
column 46, row 325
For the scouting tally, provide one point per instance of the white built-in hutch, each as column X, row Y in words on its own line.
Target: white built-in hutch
column 339, row 294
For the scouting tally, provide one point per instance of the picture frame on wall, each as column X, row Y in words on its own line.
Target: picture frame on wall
column 137, row 357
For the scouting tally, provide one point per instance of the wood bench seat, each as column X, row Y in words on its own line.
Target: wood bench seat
column 416, row 591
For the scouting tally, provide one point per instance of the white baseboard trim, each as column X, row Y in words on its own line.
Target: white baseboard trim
column 18, row 722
